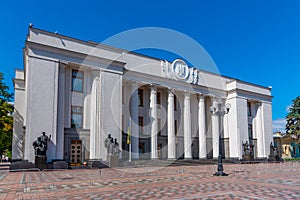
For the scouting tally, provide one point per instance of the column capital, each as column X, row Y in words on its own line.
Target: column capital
column 153, row 89
column 95, row 73
column 258, row 104
column 63, row 64
column 201, row 97
column 170, row 92
column 217, row 100
column 187, row 93
column 132, row 83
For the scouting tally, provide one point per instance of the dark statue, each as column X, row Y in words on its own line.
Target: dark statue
column 108, row 142
column 113, row 151
column 45, row 139
column 40, row 149
column 274, row 153
column 40, row 145
column 116, row 150
column 248, row 151
column 112, row 146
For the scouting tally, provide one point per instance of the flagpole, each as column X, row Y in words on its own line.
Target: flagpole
column 130, row 140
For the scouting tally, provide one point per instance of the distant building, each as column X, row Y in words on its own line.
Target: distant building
column 289, row 146
column 79, row 92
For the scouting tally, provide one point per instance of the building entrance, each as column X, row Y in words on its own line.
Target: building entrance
column 76, row 152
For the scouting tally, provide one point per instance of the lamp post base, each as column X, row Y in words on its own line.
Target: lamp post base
column 220, row 173
column 220, row 167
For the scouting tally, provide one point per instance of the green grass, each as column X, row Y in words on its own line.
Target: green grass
column 291, row 159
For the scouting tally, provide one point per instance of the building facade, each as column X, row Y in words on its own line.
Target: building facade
column 79, row 92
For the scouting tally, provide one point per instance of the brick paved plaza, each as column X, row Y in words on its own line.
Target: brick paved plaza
column 245, row 181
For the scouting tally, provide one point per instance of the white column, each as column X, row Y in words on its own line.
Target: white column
column 134, row 120
column 267, row 126
column 259, row 132
column 215, row 128
column 60, row 112
column 153, row 109
column 187, row 127
column 95, row 117
column 202, row 128
column 171, row 127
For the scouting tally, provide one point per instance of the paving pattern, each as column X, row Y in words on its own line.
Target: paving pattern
column 247, row 181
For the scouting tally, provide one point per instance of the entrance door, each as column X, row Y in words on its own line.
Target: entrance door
column 76, row 152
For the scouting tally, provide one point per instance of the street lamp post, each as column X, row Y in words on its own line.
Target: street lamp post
column 220, row 111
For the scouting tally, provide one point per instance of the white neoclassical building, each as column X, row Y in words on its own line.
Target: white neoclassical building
column 79, row 92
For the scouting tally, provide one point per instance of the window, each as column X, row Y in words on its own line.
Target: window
column 141, row 97
column 142, row 147
column 175, row 124
column 249, row 109
column 77, row 81
column 159, row 126
column 76, row 117
column 158, row 98
column 175, row 103
column 250, row 132
column 141, row 124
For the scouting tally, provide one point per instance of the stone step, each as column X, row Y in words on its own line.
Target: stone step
column 141, row 163
column 4, row 166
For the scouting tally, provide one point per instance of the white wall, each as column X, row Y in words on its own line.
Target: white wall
column 237, row 125
column 19, row 115
column 41, row 113
column 110, row 108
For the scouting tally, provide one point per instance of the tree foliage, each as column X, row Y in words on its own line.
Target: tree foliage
column 293, row 119
column 6, row 117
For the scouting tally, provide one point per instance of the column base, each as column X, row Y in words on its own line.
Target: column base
column 188, row 159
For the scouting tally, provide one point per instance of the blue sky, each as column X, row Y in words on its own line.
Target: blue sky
column 252, row 40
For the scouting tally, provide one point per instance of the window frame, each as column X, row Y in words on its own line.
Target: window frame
column 250, row 131
column 159, row 128
column 78, row 78
column 249, row 107
column 175, row 103
column 77, row 113
column 158, row 98
column 141, row 124
column 141, row 97
column 176, row 127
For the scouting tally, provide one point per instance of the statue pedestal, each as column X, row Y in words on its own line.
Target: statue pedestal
column 21, row 164
column 273, row 158
column 60, row 164
column 40, row 162
column 246, row 157
column 113, row 161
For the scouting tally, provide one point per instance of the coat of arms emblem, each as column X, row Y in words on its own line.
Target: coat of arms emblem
column 180, row 69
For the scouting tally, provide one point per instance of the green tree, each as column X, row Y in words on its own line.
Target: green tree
column 293, row 119
column 6, row 117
